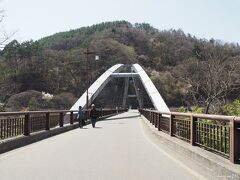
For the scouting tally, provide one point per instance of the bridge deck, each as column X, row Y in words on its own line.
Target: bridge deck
column 116, row 149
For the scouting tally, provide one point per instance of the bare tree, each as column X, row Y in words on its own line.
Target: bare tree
column 4, row 36
column 209, row 83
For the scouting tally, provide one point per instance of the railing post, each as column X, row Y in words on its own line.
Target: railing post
column 61, row 119
column 148, row 115
column 156, row 120
column 171, row 125
column 71, row 117
column 159, row 122
column 27, row 125
column 152, row 117
column 47, row 121
column 234, row 141
column 193, row 130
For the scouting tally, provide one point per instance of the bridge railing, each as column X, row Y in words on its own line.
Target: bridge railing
column 216, row 133
column 24, row 123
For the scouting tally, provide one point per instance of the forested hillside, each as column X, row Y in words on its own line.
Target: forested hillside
column 187, row 71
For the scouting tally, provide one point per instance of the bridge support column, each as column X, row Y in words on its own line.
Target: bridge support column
column 137, row 93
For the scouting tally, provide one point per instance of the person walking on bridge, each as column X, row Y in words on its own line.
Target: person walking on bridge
column 94, row 115
column 81, row 117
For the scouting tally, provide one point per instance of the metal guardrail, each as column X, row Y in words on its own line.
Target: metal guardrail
column 24, row 123
column 216, row 133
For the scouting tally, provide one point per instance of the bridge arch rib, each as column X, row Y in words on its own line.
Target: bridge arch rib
column 102, row 81
column 157, row 100
column 97, row 87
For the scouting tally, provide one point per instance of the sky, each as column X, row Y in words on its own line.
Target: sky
column 34, row 19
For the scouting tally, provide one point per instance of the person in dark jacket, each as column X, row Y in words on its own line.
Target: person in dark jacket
column 94, row 115
column 81, row 117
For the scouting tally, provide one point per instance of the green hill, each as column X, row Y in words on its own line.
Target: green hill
column 186, row 70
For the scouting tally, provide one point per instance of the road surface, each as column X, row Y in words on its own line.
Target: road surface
column 117, row 149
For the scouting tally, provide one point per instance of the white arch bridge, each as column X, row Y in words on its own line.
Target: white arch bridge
column 116, row 72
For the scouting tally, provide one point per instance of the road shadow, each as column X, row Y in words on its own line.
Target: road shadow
column 98, row 127
column 117, row 118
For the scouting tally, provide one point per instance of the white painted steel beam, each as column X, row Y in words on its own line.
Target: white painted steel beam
column 97, row 86
column 132, row 95
column 152, row 91
column 124, row 75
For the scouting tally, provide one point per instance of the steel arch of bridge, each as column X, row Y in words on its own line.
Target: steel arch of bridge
column 94, row 90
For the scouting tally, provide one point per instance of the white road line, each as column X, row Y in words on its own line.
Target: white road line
column 168, row 155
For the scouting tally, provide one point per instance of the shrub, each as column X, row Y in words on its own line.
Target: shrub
column 21, row 100
column 182, row 109
column 233, row 109
column 63, row 100
column 197, row 110
column 33, row 104
column 2, row 108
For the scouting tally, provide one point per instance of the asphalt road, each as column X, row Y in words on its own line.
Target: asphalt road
column 116, row 149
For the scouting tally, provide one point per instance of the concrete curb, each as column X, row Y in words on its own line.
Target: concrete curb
column 217, row 166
